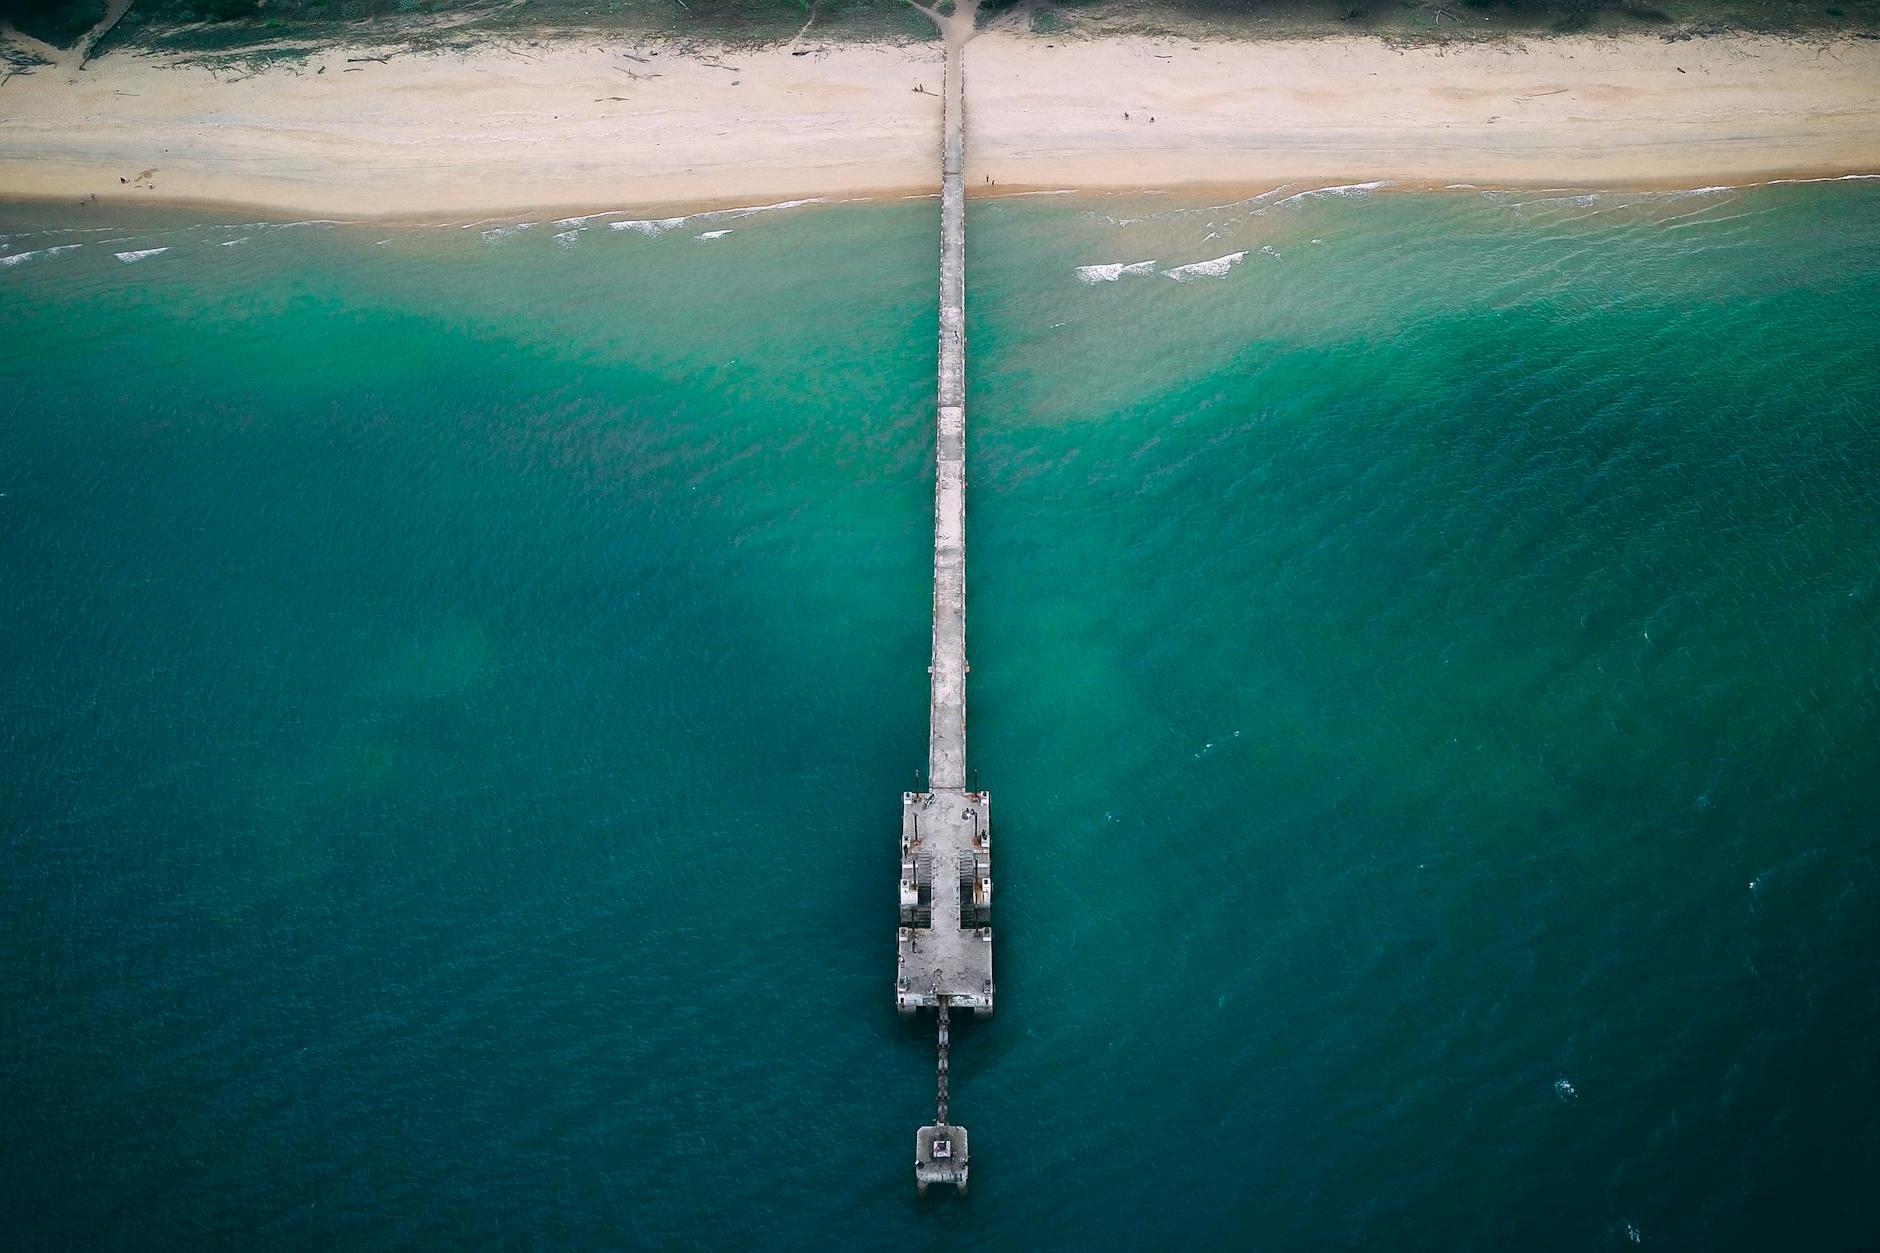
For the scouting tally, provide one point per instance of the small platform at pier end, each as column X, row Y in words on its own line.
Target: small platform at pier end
column 940, row 1157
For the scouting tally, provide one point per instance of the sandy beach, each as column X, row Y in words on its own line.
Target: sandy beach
column 597, row 124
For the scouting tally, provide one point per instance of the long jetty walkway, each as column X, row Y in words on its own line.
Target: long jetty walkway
column 945, row 957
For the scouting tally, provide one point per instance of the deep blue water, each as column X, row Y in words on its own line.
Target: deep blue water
column 457, row 687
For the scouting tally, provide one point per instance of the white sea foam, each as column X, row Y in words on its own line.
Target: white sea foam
column 1564, row 1089
column 230, row 243
column 761, row 208
column 714, row 235
column 566, row 238
column 63, row 230
column 1358, row 190
column 1833, row 178
column 1259, row 199
column 130, row 258
column 1582, row 201
column 1562, row 195
column 747, row 210
column 659, row 227
column 497, row 234
column 1112, row 271
column 1706, row 216
column 18, row 257
column 585, row 218
column 1206, row 269
column 1183, row 210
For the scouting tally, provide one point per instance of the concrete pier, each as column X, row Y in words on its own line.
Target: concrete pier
column 946, row 745
column 945, row 947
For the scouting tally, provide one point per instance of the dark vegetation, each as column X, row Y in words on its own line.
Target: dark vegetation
column 57, row 22
column 227, row 25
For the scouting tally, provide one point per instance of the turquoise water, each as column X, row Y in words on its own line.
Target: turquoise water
column 459, row 681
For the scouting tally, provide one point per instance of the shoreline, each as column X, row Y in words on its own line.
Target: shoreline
column 643, row 127
column 1225, row 194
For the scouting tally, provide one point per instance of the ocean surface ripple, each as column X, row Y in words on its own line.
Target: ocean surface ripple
column 459, row 679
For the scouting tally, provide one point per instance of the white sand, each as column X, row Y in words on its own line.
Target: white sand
column 577, row 125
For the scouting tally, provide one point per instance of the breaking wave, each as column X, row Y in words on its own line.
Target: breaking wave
column 659, row 226
column 1344, row 189
column 497, row 234
column 585, row 218
column 1112, row 271
column 1206, row 269
column 18, row 257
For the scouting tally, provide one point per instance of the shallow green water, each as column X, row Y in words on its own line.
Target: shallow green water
column 458, row 682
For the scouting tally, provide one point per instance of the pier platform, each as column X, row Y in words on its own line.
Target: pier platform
column 940, row 1156
column 946, row 902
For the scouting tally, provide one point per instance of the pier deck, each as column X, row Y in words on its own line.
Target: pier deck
column 946, row 744
column 946, row 847
column 945, row 939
